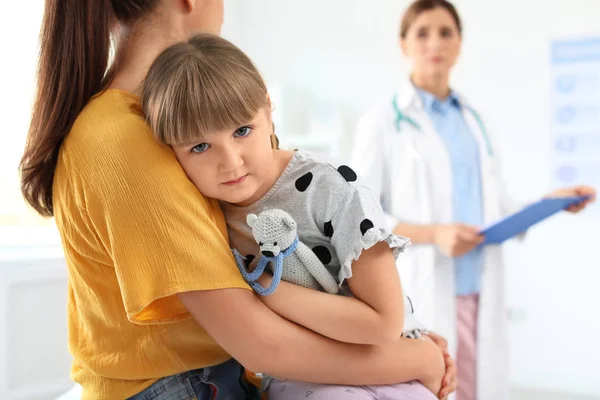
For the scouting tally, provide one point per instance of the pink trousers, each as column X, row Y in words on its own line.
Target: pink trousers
column 466, row 355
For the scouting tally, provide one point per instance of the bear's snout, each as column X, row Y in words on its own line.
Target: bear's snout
column 267, row 253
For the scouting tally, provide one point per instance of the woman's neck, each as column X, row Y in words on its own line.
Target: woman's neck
column 136, row 49
column 436, row 85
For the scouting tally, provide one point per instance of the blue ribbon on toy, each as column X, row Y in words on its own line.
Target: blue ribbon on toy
column 262, row 264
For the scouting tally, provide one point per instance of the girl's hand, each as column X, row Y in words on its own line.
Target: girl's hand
column 576, row 191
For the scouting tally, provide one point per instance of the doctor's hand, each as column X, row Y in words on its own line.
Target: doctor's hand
column 455, row 240
column 576, row 191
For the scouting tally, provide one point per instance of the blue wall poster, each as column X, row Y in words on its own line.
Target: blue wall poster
column 575, row 118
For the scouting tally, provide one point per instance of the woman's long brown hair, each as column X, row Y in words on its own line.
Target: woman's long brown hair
column 75, row 41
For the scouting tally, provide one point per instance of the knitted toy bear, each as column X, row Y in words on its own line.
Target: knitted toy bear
column 412, row 328
column 275, row 231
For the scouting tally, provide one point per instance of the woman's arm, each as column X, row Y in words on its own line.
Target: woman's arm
column 454, row 240
column 457, row 239
column 264, row 342
column 375, row 316
column 418, row 233
column 581, row 190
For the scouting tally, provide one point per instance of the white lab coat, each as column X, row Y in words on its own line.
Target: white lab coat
column 411, row 171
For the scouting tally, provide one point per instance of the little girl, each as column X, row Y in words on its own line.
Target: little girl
column 207, row 101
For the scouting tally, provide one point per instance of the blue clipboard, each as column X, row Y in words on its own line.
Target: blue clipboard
column 522, row 220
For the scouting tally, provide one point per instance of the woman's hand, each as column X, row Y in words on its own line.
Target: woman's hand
column 456, row 240
column 265, row 279
column 576, row 191
column 449, row 382
column 436, row 372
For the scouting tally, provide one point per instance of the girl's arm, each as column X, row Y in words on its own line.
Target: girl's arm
column 264, row 342
column 375, row 316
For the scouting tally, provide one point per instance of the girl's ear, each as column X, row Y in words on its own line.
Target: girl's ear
column 274, row 139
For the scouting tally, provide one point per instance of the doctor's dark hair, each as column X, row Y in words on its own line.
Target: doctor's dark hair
column 73, row 66
column 203, row 85
column 420, row 6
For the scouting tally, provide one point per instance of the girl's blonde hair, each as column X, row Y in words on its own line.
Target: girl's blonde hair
column 203, row 85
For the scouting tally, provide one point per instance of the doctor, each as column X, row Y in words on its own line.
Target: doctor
column 428, row 152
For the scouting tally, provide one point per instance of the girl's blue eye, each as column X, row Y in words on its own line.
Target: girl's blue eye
column 200, row 148
column 243, row 131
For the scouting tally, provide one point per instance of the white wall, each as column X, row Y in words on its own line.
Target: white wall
column 34, row 361
column 19, row 29
column 346, row 51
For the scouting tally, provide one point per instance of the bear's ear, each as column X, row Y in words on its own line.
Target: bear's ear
column 251, row 220
column 289, row 222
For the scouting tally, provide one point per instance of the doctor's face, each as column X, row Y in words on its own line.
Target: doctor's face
column 432, row 42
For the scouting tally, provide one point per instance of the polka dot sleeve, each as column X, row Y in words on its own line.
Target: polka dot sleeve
column 357, row 224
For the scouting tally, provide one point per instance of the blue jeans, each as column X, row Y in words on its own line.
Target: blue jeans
column 221, row 382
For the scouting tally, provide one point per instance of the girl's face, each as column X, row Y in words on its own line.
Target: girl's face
column 432, row 43
column 232, row 165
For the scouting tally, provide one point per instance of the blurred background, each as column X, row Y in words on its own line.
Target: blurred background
column 532, row 67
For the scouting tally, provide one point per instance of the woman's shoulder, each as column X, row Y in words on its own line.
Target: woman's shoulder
column 112, row 128
column 383, row 107
column 375, row 119
column 107, row 119
column 111, row 144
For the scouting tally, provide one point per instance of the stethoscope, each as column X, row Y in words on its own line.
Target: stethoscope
column 401, row 117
